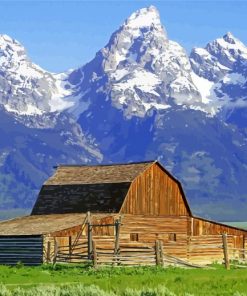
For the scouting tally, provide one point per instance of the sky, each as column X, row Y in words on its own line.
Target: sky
column 60, row 35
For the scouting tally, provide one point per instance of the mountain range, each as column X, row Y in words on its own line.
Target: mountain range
column 142, row 97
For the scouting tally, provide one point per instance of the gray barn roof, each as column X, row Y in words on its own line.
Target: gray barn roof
column 98, row 174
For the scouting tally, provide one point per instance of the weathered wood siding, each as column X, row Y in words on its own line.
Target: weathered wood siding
column 141, row 231
column 171, row 230
column 154, row 192
column 25, row 249
column 205, row 249
column 73, row 231
column 201, row 226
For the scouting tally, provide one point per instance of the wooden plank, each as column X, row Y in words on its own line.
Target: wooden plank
column 117, row 230
column 161, row 253
column 48, row 252
column 89, row 233
column 157, row 252
column 94, row 254
column 152, row 197
column 55, row 251
column 225, row 248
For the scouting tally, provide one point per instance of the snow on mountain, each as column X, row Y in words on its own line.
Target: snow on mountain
column 25, row 88
column 139, row 69
column 36, row 132
column 218, row 57
column 220, row 73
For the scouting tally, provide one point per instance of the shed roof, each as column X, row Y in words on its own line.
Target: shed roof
column 97, row 174
column 40, row 224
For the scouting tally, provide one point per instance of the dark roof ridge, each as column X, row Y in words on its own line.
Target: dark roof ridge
column 104, row 164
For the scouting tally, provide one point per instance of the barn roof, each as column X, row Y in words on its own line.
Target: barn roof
column 74, row 198
column 40, row 224
column 97, row 174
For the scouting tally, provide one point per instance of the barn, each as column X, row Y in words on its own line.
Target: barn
column 135, row 213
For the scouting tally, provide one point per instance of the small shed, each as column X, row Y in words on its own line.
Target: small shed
column 149, row 200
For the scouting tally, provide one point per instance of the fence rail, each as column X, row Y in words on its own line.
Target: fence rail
column 138, row 254
column 111, row 250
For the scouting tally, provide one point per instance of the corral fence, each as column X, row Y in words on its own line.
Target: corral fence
column 111, row 250
column 217, row 248
column 104, row 252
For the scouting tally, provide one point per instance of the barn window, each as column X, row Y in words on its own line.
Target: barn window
column 172, row 237
column 134, row 237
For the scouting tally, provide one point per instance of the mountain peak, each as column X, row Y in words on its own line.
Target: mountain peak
column 144, row 18
column 230, row 42
column 10, row 45
column 6, row 38
column 228, row 37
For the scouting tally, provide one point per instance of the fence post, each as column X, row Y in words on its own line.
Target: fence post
column 225, row 249
column 48, row 252
column 157, row 252
column 161, row 253
column 244, row 250
column 94, row 254
column 89, row 236
column 55, row 251
column 70, row 247
column 117, row 235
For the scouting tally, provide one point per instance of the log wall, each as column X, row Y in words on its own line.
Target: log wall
column 203, row 227
column 171, row 230
column 199, row 242
column 206, row 249
column 154, row 192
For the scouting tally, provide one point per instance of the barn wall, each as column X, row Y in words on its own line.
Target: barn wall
column 154, row 193
column 171, row 230
column 203, row 227
column 26, row 249
column 205, row 249
column 143, row 230
column 205, row 241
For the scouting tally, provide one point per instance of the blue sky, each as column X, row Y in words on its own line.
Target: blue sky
column 59, row 35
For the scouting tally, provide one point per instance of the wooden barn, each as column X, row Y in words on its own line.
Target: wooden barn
column 134, row 213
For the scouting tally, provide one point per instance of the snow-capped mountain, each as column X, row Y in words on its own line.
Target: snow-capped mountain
column 139, row 69
column 140, row 98
column 221, row 73
column 35, row 134
column 25, row 88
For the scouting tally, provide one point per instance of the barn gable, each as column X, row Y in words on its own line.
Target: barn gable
column 78, row 189
column 156, row 192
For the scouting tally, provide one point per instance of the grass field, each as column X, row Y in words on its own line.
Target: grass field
column 76, row 280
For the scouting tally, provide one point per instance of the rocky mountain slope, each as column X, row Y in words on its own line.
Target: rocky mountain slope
column 140, row 98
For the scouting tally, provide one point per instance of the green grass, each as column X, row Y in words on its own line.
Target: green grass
column 216, row 281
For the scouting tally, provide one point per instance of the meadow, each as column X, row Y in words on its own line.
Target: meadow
column 150, row 281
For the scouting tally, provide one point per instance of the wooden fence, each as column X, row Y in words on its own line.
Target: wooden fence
column 105, row 251
column 129, row 254
column 109, row 247
column 71, row 254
